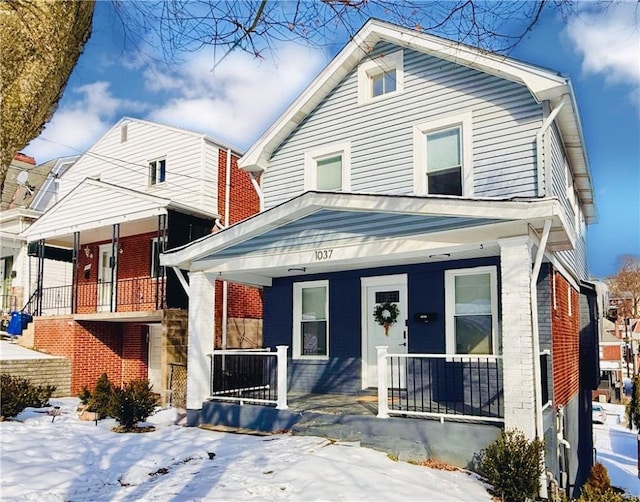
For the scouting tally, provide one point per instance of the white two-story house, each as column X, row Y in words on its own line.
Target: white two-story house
column 423, row 238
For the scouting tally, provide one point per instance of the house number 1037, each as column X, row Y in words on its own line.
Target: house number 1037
column 323, row 254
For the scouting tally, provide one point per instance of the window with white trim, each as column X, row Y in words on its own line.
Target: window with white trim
column 311, row 320
column 328, row 168
column 380, row 77
column 471, row 307
column 443, row 157
column 157, row 171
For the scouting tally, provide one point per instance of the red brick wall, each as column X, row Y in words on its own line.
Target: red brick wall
column 93, row 348
column 119, row 350
column 565, row 342
column 135, row 353
column 244, row 201
column 243, row 301
column 611, row 352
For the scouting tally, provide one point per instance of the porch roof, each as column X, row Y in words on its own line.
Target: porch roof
column 327, row 231
column 94, row 206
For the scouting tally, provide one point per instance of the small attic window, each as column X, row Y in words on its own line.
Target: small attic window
column 381, row 77
column 123, row 132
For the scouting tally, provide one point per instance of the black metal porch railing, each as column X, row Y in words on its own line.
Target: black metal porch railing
column 445, row 385
column 251, row 375
column 244, row 375
column 131, row 295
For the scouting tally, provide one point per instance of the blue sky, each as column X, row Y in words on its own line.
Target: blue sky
column 238, row 100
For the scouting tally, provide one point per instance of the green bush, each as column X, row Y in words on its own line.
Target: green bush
column 513, row 465
column 100, row 399
column 633, row 407
column 19, row 393
column 133, row 403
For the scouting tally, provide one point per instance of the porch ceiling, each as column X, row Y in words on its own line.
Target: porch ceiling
column 321, row 232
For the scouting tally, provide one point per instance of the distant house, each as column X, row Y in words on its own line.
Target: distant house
column 424, row 239
column 612, row 357
column 140, row 189
column 29, row 190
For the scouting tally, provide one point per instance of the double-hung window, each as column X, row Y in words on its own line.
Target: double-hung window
column 157, row 171
column 443, row 157
column 311, row 320
column 471, row 311
column 328, row 168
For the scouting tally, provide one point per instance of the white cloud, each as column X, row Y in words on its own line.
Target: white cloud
column 238, row 99
column 76, row 126
column 609, row 42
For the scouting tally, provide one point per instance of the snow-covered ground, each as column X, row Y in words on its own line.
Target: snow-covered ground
column 63, row 458
column 616, row 448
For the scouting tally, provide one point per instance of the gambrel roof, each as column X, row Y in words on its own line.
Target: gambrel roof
column 544, row 85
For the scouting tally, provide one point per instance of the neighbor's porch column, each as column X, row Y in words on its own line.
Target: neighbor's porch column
column 201, row 331
column 517, row 340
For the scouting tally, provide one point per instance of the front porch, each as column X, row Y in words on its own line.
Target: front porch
column 424, row 401
column 353, row 418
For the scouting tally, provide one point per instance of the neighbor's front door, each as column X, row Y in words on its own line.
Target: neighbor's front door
column 375, row 292
column 104, row 278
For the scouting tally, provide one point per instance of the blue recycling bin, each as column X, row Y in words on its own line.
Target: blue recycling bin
column 18, row 322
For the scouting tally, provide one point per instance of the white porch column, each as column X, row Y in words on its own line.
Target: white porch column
column 517, row 340
column 201, row 338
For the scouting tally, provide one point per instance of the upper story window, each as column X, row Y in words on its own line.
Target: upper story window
column 381, row 77
column 443, row 157
column 124, row 133
column 157, row 171
column 471, row 307
column 328, row 168
column 311, row 320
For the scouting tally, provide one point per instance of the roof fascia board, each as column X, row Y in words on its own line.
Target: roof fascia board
column 31, row 235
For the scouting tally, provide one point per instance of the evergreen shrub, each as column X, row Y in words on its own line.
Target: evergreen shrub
column 513, row 465
column 19, row 393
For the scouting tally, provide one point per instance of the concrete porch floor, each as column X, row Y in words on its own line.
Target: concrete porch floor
column 365, row 403
column 353, row 418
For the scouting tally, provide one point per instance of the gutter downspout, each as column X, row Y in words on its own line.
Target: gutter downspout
column 225, row 284
column 535, row 334
column 539, row 148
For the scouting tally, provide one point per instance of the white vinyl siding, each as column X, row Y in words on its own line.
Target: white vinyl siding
column 126, row 163
column 574, row 259
column 505, row 120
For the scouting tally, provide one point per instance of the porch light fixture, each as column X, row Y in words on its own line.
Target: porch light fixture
column 295, row 269
column 87, row 252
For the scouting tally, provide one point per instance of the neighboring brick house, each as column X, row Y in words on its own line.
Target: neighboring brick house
column 424, row 238
column 140, row 189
